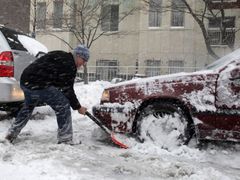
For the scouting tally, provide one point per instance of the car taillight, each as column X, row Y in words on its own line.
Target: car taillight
column 6, row 64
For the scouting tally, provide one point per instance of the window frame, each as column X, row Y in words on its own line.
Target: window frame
column 155, row 14
column 175, row 10
column 57, row 15
column 173, row 68
column 110, row 18
column 41, row 14
column 153, row 67
column 221, row 39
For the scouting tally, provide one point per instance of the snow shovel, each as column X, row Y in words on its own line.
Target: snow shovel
column 108, row 131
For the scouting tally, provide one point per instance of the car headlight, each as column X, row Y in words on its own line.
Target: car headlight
column 105, row 96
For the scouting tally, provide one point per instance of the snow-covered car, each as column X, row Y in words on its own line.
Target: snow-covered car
column 17, row 51
column 205, row 103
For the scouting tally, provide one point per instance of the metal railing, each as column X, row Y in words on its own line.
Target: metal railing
column 218, row 38
column 110, row 73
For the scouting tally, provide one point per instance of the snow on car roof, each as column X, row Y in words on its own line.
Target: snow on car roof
column 33, row 46
column 165, row 77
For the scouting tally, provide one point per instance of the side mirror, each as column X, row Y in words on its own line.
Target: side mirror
column 39, row 54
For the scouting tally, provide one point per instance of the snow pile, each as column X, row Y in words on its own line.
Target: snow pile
column 164, row 133
column 37, row 156
column 202, row 100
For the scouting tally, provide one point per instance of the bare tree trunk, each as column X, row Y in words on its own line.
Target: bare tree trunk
column 207, row 41
column 85, row 74
column 203, row 29
column 34, row 19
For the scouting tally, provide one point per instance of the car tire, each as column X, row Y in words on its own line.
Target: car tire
column 165, row 119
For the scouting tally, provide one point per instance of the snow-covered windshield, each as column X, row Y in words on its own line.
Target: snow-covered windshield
column 225, row 60
column 33, row 46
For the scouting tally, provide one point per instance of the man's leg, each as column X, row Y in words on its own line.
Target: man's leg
column 23, row 115
column 60, row 104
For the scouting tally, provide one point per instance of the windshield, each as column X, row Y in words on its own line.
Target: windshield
column 225, row 60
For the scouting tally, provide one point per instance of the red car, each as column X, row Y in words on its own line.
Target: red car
column 204, row 103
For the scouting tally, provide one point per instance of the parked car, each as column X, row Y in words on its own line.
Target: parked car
column 205, row 103
column 17, row 51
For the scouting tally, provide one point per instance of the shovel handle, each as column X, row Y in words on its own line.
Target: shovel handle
column 89, row 115
column 98, row 122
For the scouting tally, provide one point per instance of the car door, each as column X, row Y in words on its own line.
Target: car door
column 228, row 100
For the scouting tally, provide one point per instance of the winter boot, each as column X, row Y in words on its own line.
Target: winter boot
column 69, row 142
column 10, row 138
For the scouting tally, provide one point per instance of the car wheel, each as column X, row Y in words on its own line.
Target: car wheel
column 165, row 124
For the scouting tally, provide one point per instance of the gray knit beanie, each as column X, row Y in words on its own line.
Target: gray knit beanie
column 82, row 51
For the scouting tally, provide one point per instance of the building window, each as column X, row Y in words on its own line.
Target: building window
column 57, row 14
column 175, row 66
column 152, row 67
column 224, row 37
column 155, row 14
column 110, row 17
column 106, row 69
column 73, row 15
column 178, row 14
column 41, row 15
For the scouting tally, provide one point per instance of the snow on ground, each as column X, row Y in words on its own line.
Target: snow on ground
column 37, row 156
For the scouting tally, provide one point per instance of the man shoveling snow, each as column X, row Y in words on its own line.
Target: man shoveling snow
column 50, row 80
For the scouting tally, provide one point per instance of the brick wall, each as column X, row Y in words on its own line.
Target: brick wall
column 15, row 14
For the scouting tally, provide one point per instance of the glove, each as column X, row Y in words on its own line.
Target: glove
column 82, row 110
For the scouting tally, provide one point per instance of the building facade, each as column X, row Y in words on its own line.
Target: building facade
column 152, row 40
column 15, row 14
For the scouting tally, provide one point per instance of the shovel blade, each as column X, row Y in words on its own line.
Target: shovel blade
column 117, row 142
column 105, row 129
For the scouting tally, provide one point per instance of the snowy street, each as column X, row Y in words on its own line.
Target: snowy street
column 36, row 155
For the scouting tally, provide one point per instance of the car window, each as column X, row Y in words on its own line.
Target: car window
column 12, row 39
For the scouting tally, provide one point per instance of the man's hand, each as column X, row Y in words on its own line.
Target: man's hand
column 82, row 110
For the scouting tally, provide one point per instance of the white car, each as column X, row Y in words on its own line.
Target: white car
column 17, row 51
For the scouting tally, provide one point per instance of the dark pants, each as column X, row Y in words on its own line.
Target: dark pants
column 56, row 100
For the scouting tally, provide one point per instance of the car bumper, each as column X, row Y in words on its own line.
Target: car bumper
column 116, row 117
column 10, row 91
